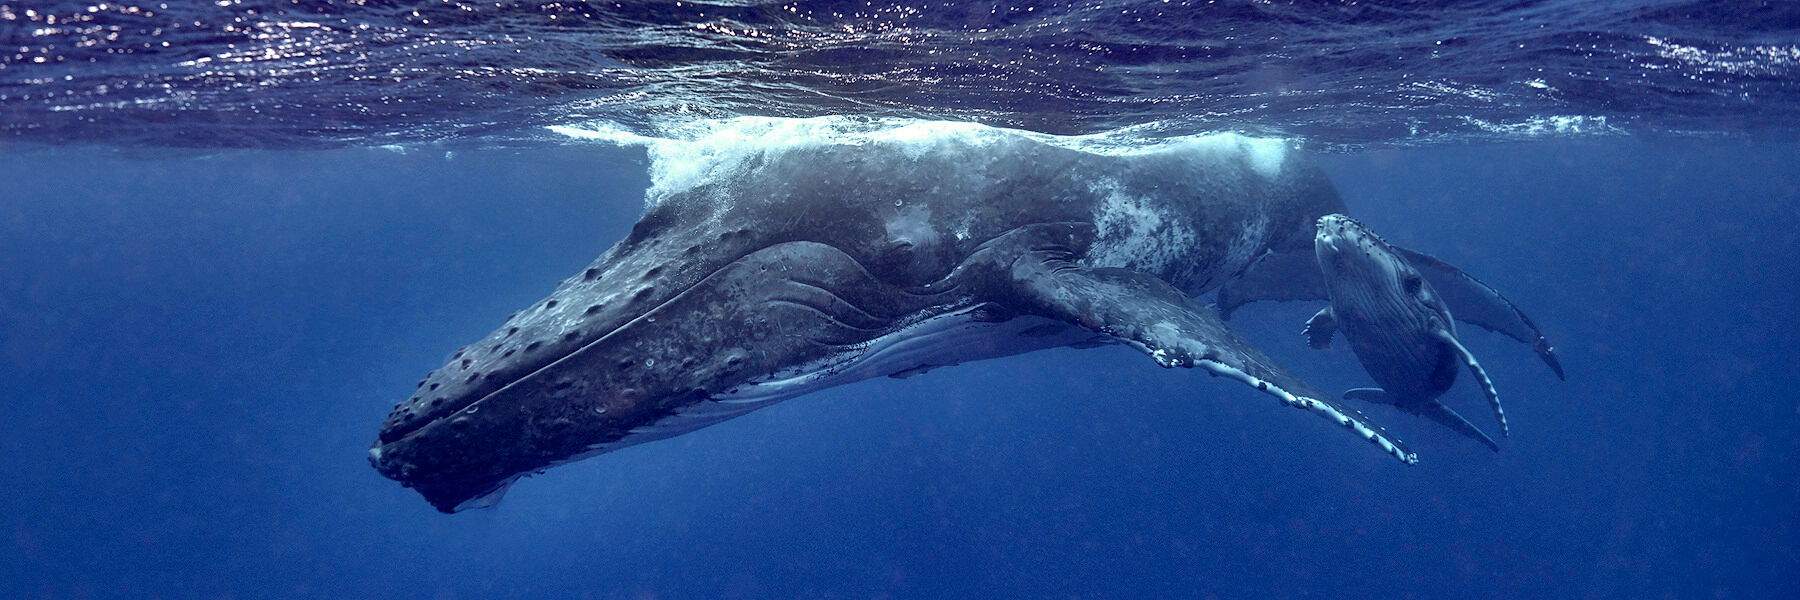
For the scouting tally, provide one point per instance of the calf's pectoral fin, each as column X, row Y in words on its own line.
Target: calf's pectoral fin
column 1487, row 386
column 1154, row 317
column 1479, row 304
column 1433, row 410
column 1319, row 329
column 1436, row 411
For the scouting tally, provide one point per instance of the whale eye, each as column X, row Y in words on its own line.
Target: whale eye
column 1412, row 284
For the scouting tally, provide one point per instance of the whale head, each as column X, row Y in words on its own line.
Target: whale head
column 1367, row 277
column 570, row 371
column 681, row 325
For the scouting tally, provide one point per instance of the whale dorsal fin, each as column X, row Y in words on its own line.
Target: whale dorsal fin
column 1147, row 313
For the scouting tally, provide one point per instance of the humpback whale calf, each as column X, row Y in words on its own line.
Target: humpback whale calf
column 778, row 257
column 1398, row 326
column 1395, row 306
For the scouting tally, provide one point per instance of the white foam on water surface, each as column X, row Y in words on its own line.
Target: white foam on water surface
column 693, row 153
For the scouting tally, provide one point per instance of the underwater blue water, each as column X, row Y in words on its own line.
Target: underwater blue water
column 223, row 259
column 197, row 349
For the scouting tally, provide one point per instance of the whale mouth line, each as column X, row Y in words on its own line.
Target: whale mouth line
column 454, row 408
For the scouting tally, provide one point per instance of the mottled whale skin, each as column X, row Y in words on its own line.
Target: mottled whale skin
column 762, row 271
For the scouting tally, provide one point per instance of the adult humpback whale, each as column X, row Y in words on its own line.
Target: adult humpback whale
column 779, row 257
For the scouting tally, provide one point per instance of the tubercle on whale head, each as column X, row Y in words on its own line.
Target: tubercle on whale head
column 1335, row 235
column 509, row 384
column 1342, row 242
column 627, row 281
column 576, row 314
column 588, row 394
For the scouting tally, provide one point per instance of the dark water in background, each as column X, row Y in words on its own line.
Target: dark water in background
column 196, row 344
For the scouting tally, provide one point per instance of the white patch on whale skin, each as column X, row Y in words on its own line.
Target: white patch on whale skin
column 1265, row 156
column 911, row 225
column 1247, row 245
column 1136, row 233
column 964, row 227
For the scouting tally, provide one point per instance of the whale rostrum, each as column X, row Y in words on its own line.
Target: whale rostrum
column 766, row 267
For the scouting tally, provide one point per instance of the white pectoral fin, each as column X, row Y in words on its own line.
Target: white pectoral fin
column 1487, row 386
column 1319, row 329
column 1154, row 317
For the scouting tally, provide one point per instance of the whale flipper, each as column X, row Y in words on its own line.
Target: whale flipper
column 1157, row 319
column 1436, row 411
column 1433, row 410
column 1479, row 304
column 1319, row 329
column 1487, row 386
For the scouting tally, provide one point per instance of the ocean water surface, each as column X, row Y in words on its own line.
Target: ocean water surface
column 234, row 234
